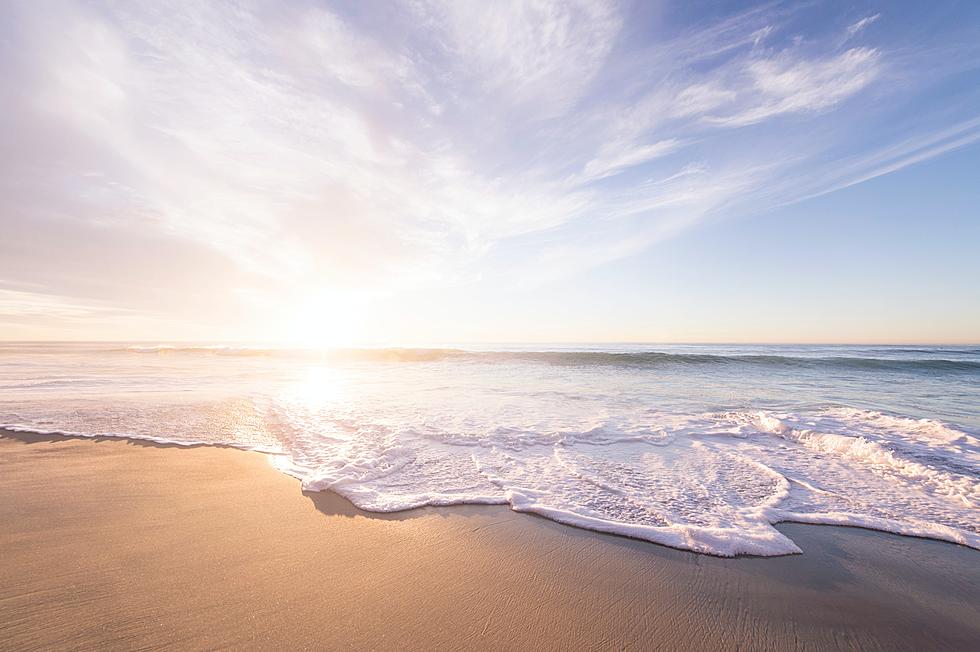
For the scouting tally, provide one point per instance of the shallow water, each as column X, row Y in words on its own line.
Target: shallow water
column 697, row 447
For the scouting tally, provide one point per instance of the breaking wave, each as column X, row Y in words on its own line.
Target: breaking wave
column 703, row 450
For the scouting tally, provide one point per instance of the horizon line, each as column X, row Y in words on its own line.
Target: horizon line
column 419, row 345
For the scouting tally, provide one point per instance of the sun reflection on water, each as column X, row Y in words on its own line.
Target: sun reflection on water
column 318, row 387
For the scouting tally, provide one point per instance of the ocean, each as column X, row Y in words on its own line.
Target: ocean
column 697, row 447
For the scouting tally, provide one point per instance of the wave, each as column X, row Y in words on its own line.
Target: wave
column 216, row 349
column 714, row 483
column 585, row 358
column 133, row 436
column 44, row 383
column 703, row 448
column 944, row 476
column 654, row 358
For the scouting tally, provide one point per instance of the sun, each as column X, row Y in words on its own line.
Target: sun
column 326, row 320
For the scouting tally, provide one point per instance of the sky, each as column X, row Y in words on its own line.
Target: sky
column 340, row 173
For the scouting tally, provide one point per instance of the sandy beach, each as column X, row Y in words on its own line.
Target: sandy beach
column 459, row 325
column 118, row 544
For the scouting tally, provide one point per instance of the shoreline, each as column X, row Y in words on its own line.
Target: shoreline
column 32, row 435
column 119, row 543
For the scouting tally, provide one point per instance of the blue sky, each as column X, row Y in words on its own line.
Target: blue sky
column 418, row 172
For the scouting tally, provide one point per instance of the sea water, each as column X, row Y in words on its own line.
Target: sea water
column 696, row 447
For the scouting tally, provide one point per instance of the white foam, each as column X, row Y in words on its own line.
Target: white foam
column 614, row 449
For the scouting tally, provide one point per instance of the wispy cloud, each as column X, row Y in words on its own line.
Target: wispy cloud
column 786, row 84
column 859, row 25
column 536, row 57
column 16, row 304
column 615, row 157
column 32, row 315
column 402, row 147
column 923, row 147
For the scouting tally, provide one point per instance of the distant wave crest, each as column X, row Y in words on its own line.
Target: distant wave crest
column 578, row 358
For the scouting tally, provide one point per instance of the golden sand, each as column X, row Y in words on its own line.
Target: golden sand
column 114, row 544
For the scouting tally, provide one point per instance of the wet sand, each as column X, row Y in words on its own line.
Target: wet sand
column 116, row 544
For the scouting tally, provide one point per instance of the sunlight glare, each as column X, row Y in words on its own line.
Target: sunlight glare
column 319, row 387
column 326, row 320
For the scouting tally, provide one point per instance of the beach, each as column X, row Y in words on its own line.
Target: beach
column 448, row 325
column 121, row 544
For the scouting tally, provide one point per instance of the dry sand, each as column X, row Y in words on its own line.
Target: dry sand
column 121, row 545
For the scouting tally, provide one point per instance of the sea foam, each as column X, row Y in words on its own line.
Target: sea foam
column 688, row 453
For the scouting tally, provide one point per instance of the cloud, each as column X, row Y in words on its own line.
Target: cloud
column 859, row 25
column 31, row 315
column 616, row 157
column 760, row 35
column 539, row 57
column 278, row 148
column 786, row 84
column 19, row 304
column 871, row 165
